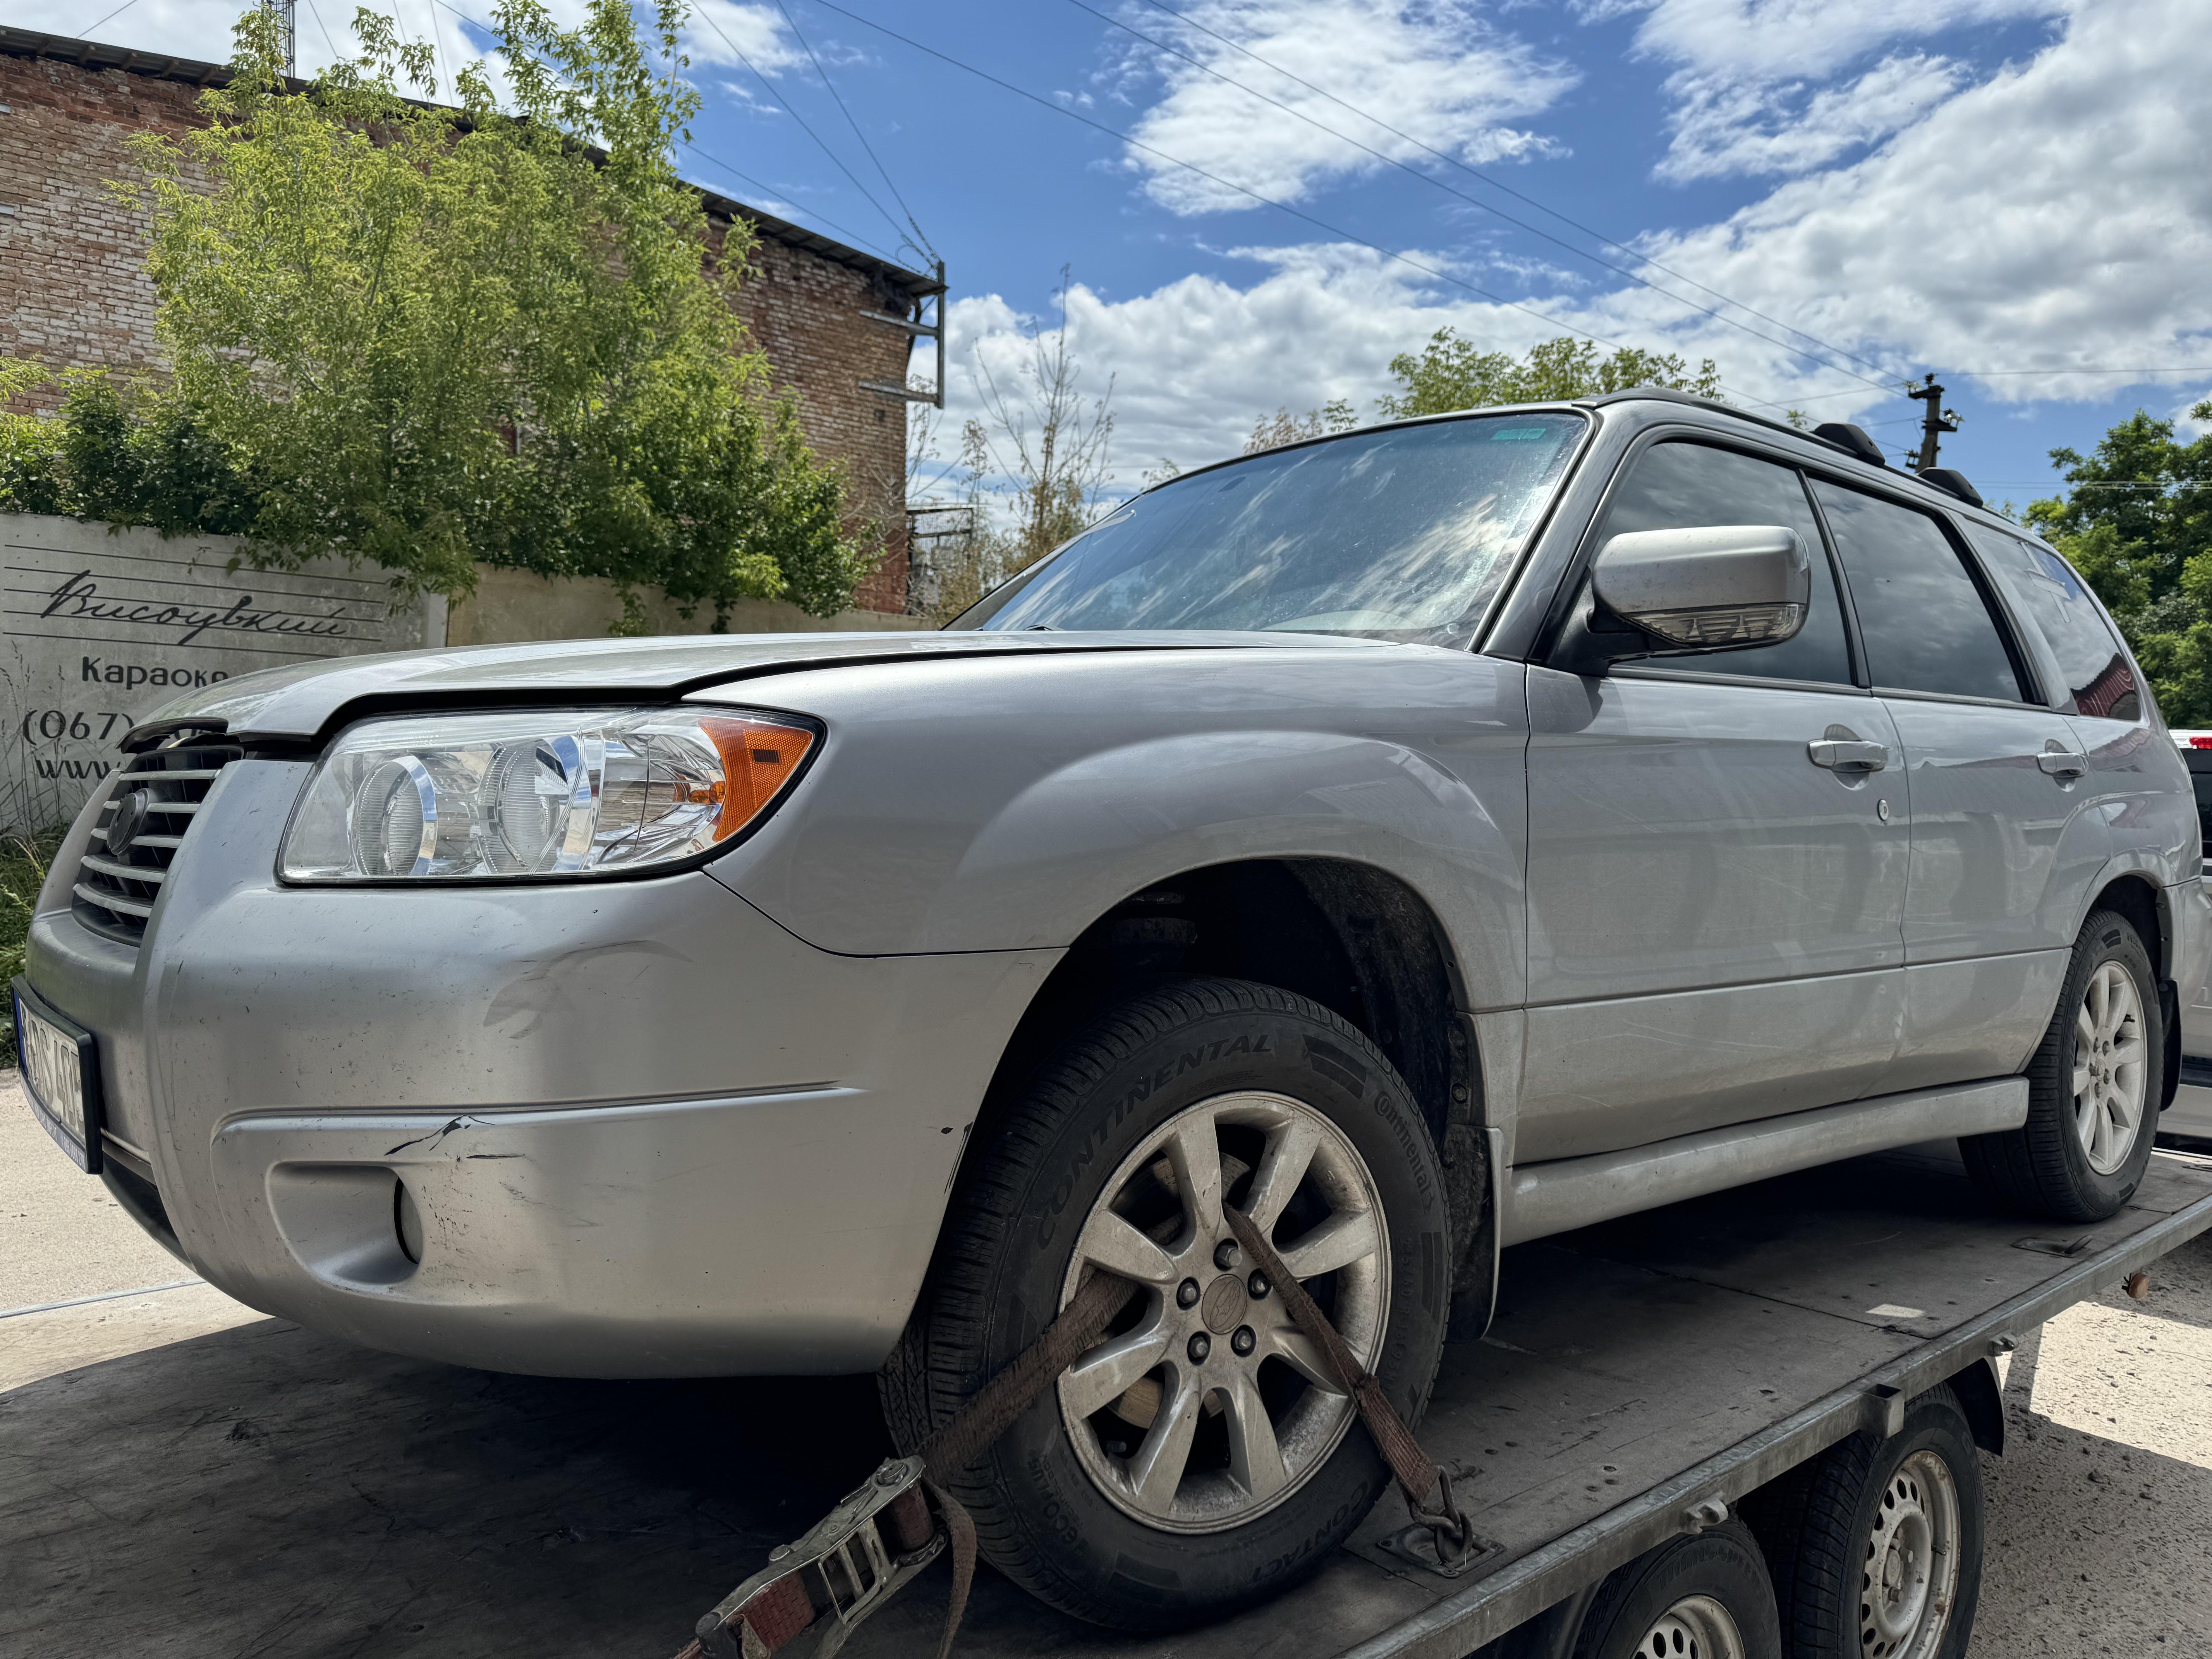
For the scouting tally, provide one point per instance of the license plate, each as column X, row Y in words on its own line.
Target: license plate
column 61, row 1077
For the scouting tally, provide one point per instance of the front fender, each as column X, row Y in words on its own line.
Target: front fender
column 993, row 806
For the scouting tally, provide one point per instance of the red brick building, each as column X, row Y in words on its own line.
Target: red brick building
column 832, row 319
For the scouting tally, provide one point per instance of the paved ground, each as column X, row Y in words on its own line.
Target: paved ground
column 464, row 1489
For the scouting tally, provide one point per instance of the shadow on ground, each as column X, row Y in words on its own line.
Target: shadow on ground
column 265, row 1491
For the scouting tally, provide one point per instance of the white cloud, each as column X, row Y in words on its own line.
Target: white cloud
column 2058, row 213
column 1195, row 362
column 1438, row 71
column 200, row 29
column 720, row 30
column 1729, row 126
column 1773, row 39
column 1751, row 91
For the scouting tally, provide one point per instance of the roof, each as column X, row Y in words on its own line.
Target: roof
column 159, row 66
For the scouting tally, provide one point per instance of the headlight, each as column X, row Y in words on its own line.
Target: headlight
column 537, row 795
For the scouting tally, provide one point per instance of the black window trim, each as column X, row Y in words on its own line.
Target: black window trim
column 2025, row 669
column 2059, row 698
column 1659, row 669
column 2010, row 634
column 1572, row 579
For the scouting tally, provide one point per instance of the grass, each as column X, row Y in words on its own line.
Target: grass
column 23, row 861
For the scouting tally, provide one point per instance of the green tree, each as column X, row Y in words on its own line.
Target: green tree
column 1451, row 373
column 1274, row 431
column 423, row 335
column 2137, row 524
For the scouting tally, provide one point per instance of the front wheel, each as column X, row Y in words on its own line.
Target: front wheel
column 2094, row 1087
column 1199, row 1457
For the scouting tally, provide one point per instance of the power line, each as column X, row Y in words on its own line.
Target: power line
column 784, row 196
column 1215, row 178
column 1449, row 160
column 1477, row 203
column 923, row 243
column 708, row 17
column 779, row 194
column 324, row 26
column 84, row 33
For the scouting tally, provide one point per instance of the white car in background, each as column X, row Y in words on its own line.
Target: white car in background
column 2190, row 1115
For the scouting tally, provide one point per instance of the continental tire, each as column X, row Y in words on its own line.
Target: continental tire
column 1876, row 1544
column 1191, row 1463
column 2082, row 1080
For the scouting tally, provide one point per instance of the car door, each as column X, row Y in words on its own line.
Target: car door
column 1714, row 902
column 2002, row 846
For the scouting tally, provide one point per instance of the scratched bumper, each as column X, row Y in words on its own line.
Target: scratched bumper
column 641, row 1129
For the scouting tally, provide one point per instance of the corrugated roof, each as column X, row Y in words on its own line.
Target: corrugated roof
column 93, row 54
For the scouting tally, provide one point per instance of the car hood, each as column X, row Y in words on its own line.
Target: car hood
column 309, row 699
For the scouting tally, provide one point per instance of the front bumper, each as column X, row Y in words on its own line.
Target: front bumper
column 641, row 1129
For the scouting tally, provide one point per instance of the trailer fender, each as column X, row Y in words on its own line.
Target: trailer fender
column 1980, row 1388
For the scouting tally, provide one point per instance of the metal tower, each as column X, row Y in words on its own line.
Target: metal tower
column 281, row 11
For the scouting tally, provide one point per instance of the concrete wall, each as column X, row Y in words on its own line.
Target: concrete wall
column 519, row 604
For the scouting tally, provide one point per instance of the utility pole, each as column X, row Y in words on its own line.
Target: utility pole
column 1935, row 424
column 281, row 11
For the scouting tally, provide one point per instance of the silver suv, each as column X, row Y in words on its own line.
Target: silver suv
column 1424, row 840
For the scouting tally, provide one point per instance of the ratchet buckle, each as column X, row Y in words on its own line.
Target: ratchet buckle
column 815, row 1591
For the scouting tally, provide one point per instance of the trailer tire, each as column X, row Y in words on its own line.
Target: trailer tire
column 1844, row 1527
column 2043, row 1168
column 1060, row 1502
column 1707, row 1593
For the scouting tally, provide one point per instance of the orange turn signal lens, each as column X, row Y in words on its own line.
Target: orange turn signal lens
column 759, row 757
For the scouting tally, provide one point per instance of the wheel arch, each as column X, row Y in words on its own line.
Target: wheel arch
column 1355, row 937
column 2138, row 896
column 1358, row 939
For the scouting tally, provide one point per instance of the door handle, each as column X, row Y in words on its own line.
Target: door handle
column 2060, row 763
column 1848, row 755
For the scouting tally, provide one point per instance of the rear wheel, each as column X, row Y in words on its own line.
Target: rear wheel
column 1707, row 1596
column 1876, row 1546
column 1199, row 1457
column 2093, row 1088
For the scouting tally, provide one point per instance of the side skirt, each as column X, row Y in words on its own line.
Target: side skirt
column 1563, row 1194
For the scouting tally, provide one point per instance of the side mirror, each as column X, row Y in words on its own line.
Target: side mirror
column 1707, row 589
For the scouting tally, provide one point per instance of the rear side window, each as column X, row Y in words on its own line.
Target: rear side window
column 1683, row 486
column 2099, row 681
column 1923, row 620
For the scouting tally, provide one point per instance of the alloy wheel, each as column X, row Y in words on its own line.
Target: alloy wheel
column 2111, row 1071
column 1204, row 1406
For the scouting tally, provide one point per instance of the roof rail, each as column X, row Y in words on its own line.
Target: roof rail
column 1669, row 395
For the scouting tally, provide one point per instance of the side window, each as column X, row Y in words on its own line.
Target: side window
column 1922, row 616
column 1679, row 486
column 2098, row 677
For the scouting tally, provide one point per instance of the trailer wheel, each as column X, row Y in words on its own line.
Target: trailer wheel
column 2094, row 1085
column 1705, row 1596
column 1197, row 1458
column 1876, row 1544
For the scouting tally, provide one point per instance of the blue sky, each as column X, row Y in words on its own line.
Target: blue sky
column 1988, row 185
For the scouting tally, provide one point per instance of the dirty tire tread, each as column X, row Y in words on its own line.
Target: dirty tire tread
column 2033, row 1169
column 943, row 1357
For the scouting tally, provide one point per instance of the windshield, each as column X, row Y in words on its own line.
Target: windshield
column 1406, row 533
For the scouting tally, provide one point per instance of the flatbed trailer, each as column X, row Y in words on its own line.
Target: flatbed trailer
column 1640, row 1379
column 270, row 1490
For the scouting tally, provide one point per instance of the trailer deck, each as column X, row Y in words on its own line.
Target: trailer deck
column 1636, row 1370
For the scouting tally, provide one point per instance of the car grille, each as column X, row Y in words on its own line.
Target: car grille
column 115, row 889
